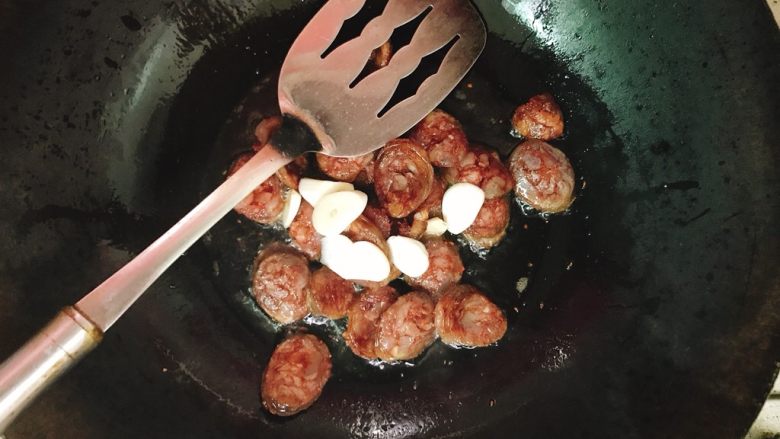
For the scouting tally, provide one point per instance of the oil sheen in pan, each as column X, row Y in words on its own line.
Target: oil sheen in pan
column 540, row 248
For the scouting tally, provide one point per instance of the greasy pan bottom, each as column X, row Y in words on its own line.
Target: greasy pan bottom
column 649, row 307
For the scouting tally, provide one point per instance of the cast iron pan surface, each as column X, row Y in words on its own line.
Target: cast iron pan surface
column 651, row 309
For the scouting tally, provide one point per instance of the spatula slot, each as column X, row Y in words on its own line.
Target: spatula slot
column 429, row 66
column 403, row 34
column 401, row 37
column 353, row 26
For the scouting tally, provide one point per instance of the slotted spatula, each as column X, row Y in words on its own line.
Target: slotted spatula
column 324, row 110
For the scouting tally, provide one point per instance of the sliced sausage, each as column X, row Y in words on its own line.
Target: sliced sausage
column 544, row 177
column 445, row 267
column 343, row 168
column 366, row 176
column 363, row 319
column 443, row 137
column 465, row 317
column 296, row 373
column 362, row 229
column 403, row 177
column 265, row 204
column 406, row 328
column 489, row 227
column 413, row 226
column 302, row 232
column 482, row 167
column 290, row 175
column 279, row 283
column 381, row 56
column 432, row 204
column 265, row 129
column 329, row 295
column 379, row 216
column 539, row 118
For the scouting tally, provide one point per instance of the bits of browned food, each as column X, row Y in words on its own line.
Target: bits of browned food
column 302, row 232
column 363, row 319
column 403, row 177
column 489, row 227
column 379, row 216
column 363, row 229
column 445, row 267
column 443, row 137
column 296, row 374
column 381, row 56
column 406, row 328
column 343, row 168
column 290, row 175
column 328, row 294
column 482, row 167
column 279, row 283
column 465, row 317
column 413, row 227
column 432, row 204
column 539, row 118
column 265, row 129
column 265, row 204
column 544, row 177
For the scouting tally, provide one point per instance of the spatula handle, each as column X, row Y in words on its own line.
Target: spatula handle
column 45, row 357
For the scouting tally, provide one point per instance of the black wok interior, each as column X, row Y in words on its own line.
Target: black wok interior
column 651, row 308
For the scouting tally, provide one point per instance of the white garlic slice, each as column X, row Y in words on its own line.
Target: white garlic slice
column 460, row 206
column 435, row 227
column 335, row 212
column 334, row 254
column 291, row 206
column 313, row 190
column 408, row 255
column 368, row 262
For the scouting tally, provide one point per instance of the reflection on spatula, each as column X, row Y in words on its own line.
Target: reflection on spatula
column 324, row 108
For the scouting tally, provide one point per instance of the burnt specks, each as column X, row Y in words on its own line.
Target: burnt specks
column 130, row 22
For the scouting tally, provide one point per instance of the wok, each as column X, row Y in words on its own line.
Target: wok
column 650, row 310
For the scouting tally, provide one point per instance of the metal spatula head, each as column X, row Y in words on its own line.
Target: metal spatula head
column 351, row 119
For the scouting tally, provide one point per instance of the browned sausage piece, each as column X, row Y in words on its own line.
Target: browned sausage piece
column 362, row 229
column 406, row 328
column 343, row 168
column 329, row 295
column 266, row 202
column 465, row 317
column 443, row 137
column 279, row 283
column 302, row 232
column 265, row 129
column 366, row 176
column 379, row 216
column 445, row 267
column 414, row 226
column 291, row 174
column 482, row 167
column 296, row 373
column 432, row 204
column 363, row 318
column 489, row 227
column 539, row 118
column 381, row 56
column 544, row 177
column 403, row 177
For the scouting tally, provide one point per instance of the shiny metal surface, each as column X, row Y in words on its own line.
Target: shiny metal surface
column 345, row 119
column 43, row 359
column 106, row 303
column 313, row 90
